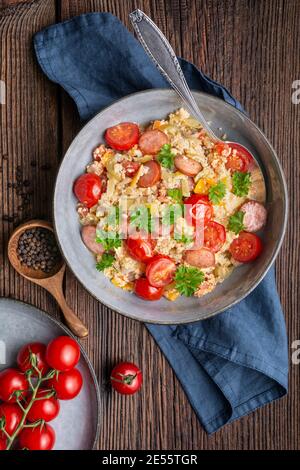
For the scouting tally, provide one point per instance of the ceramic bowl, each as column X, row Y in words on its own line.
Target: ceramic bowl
column 143, row 107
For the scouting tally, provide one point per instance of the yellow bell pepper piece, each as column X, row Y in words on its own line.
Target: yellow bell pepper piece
column 203, row 185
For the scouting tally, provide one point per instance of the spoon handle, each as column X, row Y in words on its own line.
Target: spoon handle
column 160, row 51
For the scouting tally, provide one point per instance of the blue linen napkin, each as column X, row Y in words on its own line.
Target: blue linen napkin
column 228, row 365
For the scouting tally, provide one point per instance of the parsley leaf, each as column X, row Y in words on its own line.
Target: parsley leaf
column 217, row 192
column 166, row 157
column 183, row 238
column 108, row 240
column 235, row 223
column 241, row 183
column 172, row 213
column 142, row 219
column 105, row 262
column 175, row 194
column 187, row 280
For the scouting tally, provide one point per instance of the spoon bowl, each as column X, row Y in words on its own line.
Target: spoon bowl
column 51, row 281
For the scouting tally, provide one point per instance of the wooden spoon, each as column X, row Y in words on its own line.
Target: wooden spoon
column 51, row 281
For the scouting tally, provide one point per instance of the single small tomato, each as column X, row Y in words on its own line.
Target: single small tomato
column 25, row 354
column 238, row 157
column 198, row 206
column 144, row 290
column 140, row 248
column 214, row 236
column 63, row 353
column 44, row 408
column 39, row 438
column 160, row 271
column 67, row 385
column 12, row 381
column 247, row 247
column 88, row 189
column 126, row 378
column 123, row 136
column 12, row 415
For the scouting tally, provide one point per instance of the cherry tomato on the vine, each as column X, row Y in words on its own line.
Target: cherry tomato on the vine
column 67, row 385
column 12, row 381
column 44, row 408
column 126, row 378
column 24, row 358
column 39, row 438
column 63, row 353
column 12, row 415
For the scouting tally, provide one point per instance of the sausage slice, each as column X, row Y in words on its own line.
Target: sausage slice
column 152, row 175
column 88, row 234
column 152, row 141
column 255, row 216
column 201, row 258
column 187, row 166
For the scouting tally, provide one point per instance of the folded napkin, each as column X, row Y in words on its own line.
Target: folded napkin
column 228, row 365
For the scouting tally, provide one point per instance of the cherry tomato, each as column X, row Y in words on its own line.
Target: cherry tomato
column 44, row 408
column 23, row 358
column 140, row 248
column 88, row 189
column 38, row 438
column 152, row 176
column 199, row 207
column 147, row 292
column 63, row 353
column 214, row 236
column 12, row 415
column 66, row 384
column 126, row 378
column 247, row 247
column 131, row 168
column 160, row 271
column 3, row 443
column 238, row 157
column 123, row 136
column 11, row 381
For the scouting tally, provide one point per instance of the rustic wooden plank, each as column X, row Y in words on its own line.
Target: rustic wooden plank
column 28, row 139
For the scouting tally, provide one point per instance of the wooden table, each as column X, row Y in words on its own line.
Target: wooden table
column 252, row 47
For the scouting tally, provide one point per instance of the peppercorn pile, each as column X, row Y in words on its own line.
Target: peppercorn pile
column 37, row 249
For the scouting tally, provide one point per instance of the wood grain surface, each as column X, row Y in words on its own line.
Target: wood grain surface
column 252, row 47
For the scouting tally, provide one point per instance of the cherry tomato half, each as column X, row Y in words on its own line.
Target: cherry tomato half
column 63, row 353
column 238, row 159
column 140, row 248
column 160, row 271
column 126, row 378
column 88, row 189
column 199, row 207
column 12, row 414
column 214, row 236
column 24, row 361
column 67, row 385
column 38, row 438
column 44, row 408
column 147, row 292
column 123, row 136
column 11, row 381
column 247, row 247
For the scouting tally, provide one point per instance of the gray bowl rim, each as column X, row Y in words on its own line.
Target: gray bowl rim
column 279, row 241
column 82, row 351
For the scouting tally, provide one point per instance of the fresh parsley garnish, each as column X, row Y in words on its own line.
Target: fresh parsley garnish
column 106, row 261
column 235, row 222
column 175, row 194
column 166, row 157
column 108, row 240
column 183, row 238
column 217, row 192
column 142, row 219
column 241, row 183
column 187, row 280
column 172, row 213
